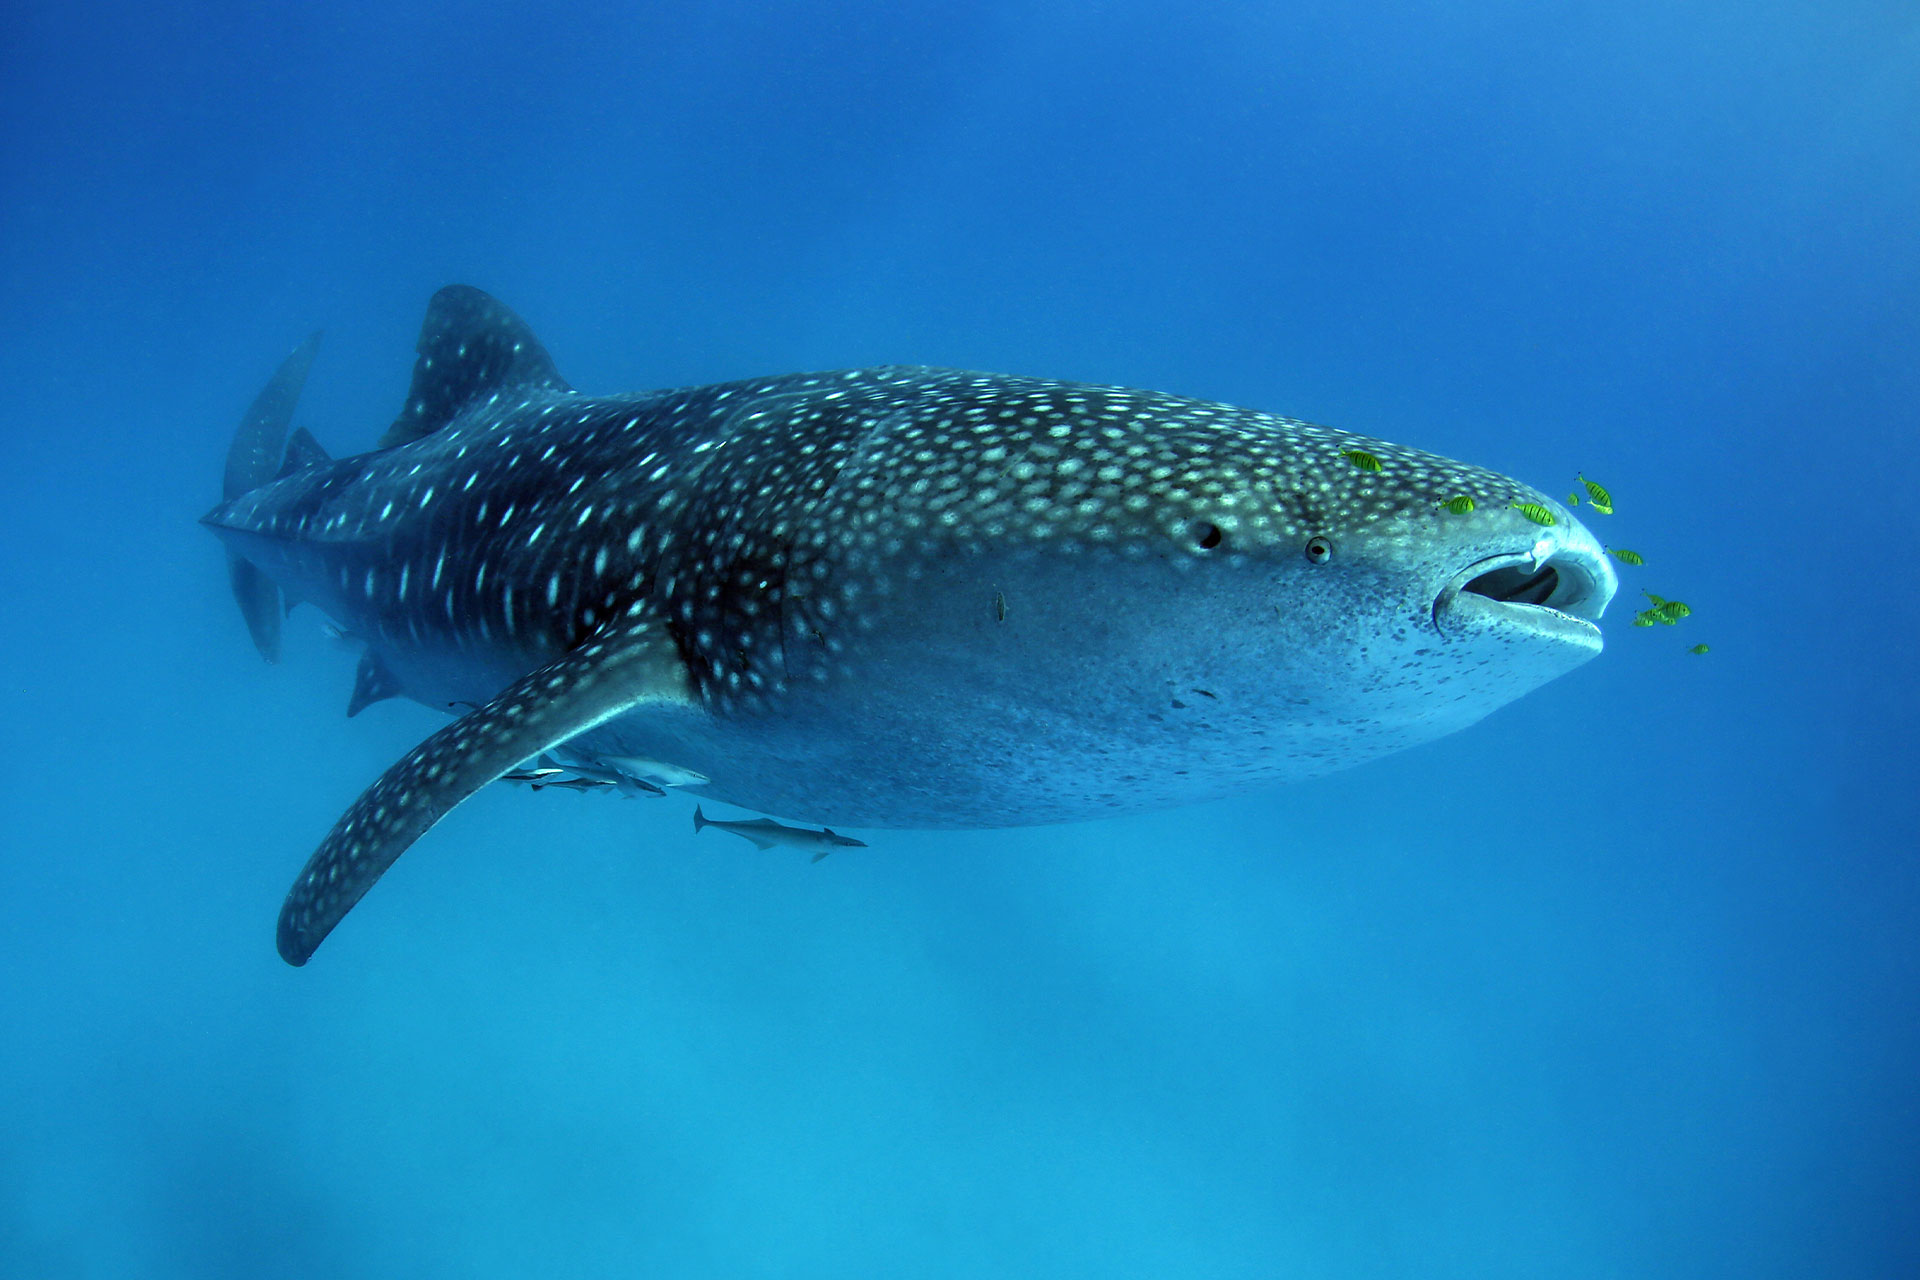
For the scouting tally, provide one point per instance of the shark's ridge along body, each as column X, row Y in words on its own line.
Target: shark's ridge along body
column 893, row 596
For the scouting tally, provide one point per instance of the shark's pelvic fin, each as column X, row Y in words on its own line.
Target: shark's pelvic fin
column 630, row 662
column 471, row 345
column 253, row 459
column 372, row 683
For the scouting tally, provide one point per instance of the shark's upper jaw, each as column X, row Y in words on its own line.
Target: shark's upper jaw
column 1556, row 590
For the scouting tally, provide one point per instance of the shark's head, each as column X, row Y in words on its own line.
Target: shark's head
column 1114, row 599
column 1396, row 615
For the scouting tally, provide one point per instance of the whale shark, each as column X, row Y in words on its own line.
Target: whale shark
column 882, row 597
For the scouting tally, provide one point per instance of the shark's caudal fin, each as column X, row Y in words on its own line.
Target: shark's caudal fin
column 254, row 458
column 628, row 663
column 471, row 345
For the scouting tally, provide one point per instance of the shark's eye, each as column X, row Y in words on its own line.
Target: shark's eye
column 1205, row 536
column 1319, row 550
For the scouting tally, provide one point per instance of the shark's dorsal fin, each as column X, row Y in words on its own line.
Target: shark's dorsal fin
column 630, row 662
column 303, row 454
column 372, row 683
column 471, row 346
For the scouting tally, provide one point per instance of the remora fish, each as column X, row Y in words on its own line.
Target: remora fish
column 765, row 833
column 885, row 597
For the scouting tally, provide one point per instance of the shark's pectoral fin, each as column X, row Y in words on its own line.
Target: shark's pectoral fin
column 628, row 664
column 372, row 683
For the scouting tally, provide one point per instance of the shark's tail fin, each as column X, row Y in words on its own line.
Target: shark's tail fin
column 255, row 457
column 700, row 820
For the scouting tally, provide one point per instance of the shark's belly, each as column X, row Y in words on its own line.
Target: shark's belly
column 926, row 755
column 999, row 699
column 922, row 771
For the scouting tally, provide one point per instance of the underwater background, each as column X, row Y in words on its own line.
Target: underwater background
column 1619, row 983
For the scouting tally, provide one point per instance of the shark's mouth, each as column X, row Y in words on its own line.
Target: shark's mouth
column 1560, row 596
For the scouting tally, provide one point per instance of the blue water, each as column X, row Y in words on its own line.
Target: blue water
column 1620, row 983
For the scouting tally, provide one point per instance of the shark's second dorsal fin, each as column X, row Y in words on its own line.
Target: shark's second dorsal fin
column 303, row 454
column 471, row 345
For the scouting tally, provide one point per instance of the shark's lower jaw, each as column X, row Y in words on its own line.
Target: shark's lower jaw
column 1558, row 597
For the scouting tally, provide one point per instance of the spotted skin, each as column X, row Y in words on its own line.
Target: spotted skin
column 903, row 596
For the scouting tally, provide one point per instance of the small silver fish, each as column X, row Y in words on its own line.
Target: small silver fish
column 571, row 784
column 657, row 773
column 766, row 833
column 602, row 772
column 539, row 777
